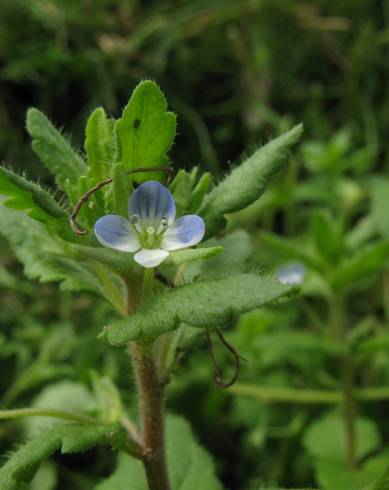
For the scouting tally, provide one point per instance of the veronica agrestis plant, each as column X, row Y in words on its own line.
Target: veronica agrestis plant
column 121, row 198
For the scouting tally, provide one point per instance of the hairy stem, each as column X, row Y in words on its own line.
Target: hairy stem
column 151, row 408
column 151, row 405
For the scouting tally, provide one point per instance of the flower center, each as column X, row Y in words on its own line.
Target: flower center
column 149, row 236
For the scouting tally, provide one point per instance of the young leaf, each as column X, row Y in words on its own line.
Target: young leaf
column 99, row 146
column 208, row 304
column 181, row 188
column 121, row 190
column 146, row 131
column 26, row 195
column 199, row 192
column 70, row 438
column 190, row 467
column 55, row 152
column 248, row 181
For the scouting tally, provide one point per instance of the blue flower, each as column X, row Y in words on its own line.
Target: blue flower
column 151, row 230
column 291, row 274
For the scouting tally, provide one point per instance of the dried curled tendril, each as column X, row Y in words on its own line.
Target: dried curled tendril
column 237, row 358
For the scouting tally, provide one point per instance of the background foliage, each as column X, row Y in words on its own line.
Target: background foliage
column 235, row 72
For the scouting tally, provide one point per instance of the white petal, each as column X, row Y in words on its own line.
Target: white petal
column 116, row 232
column 150, row 258
column 184, row 232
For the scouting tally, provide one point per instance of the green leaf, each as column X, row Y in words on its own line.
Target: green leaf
column 181, row 188
column 248, row 181
column 199, row 192
column 118, row 260
column 146, row 131
column 205, row 305
column 63, row 395
column 50, row 259
column 190, row 467
column 367, row 261
column 69, row 438
column 26, row 195
column 333, row 475
column 327, row 234
column 99, row 146
column 108, row 398
column 188, row 255
column 380, row 204
column 121, row 190
column 383, row 482
column 46, row 477
column 55, row 152
column 326, row 438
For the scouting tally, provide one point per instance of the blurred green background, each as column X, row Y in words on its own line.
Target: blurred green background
column 236, row 72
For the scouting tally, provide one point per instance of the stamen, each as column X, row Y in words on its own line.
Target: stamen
column 163, row 225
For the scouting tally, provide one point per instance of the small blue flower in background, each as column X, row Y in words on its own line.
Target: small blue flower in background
column 291, row 274
column 151, row 230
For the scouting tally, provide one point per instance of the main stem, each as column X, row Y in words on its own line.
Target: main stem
column 151, row 405
column 347, row 374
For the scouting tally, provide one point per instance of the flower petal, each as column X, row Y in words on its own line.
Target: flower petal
column 184, row 232
column 116, row 232
column 151, row 202
column 150, row 258
column 291, row 273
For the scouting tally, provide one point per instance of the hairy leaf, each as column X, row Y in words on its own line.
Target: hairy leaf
column 188, row 255
column 55, row 152
column 181, row 188
column 69, row 438
column 248, row 181
column 146, row 131
column 190, row 467
column 29, row 196
column 206, row 305
column 99, row 146
column 50, row 259
column 121, row 190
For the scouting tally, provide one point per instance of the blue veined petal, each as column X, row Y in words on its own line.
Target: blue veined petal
column 184, row 232
column 116, row 232
column 151, row 202
column 150, row 258
column 291, row 273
